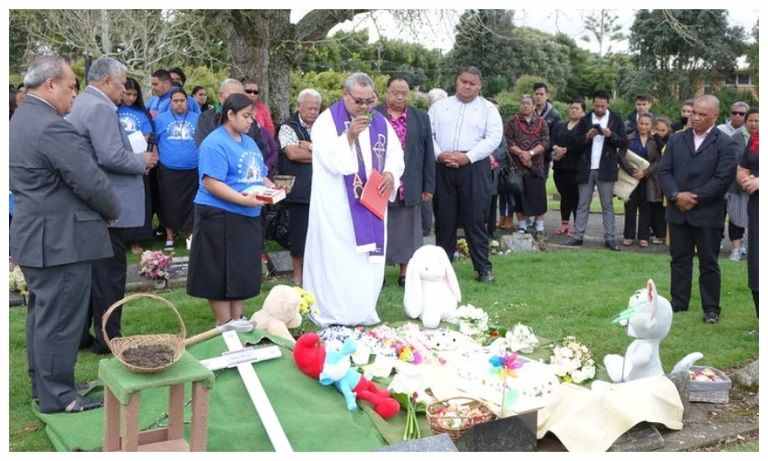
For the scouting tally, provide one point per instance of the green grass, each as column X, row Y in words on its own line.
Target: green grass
column 557, row 293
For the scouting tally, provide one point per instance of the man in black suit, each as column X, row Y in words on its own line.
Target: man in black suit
column 404, row 226
column 63, row 200
column 599, row 167
column 698, row 167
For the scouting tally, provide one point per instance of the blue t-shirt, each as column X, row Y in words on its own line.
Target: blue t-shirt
column 158, row 105
column 132, row 119
column 238, row 165
column 176, row 140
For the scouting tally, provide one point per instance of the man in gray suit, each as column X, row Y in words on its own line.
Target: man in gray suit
column 94, row 115
column 62, row 202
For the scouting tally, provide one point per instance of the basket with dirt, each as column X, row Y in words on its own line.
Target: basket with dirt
column 146, row 353
column 457, row 415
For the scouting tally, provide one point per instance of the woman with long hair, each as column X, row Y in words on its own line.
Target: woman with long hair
column 567, row 150
column 227, row 240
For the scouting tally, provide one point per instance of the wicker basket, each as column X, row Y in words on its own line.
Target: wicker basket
column 118, row 346
column 446, row 424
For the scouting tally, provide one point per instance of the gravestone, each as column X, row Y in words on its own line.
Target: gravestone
column 520, row 243
column 279, row 262
column 749, row 376
column 440, row 442
column 642, row 437
column 514, row 433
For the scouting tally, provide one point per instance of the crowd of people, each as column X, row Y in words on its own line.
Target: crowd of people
column 90, row 169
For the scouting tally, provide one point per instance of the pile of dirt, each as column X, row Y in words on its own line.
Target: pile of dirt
column 149, row 355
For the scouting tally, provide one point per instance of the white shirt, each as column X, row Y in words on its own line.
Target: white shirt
column 474, row 127
column 598, row 140
column 697, row 140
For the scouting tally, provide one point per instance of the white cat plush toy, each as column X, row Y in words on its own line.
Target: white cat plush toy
column 431, row 289
column 648, row 319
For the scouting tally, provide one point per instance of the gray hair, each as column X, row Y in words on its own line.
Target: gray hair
column 710, row 100
column 436, row 94
column 359, row 79
column 309, row 93
column 741, row 104
column 44, row 68
column 526, row 96
column 105, row 67
column 229, row 81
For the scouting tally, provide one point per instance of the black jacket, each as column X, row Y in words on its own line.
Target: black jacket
column 707, row 172
column 573, row 140
column 419, row 153
column 613, row 149
column 211, row 119
column 302, row 186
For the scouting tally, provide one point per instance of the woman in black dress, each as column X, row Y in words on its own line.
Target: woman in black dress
column 749, row 179
column 567, row 147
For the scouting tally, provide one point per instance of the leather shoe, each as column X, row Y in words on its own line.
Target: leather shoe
column 611, row 245
column 574, row 242
column 711, row 317
column 83, row 404
column 401, row 281
column 486, row 277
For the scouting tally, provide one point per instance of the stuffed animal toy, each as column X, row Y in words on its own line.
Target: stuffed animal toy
column 334, row 367
column 431, row 288
column 279, row 312
column 648, row 319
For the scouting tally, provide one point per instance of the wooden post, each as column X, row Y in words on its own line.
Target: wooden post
column 111, row 421
column 176, row 412
column 130, row 429
column 198, row 438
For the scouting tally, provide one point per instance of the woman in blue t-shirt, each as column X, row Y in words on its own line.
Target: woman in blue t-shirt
column 134, row 117
column 177, row 168
column 225, row 258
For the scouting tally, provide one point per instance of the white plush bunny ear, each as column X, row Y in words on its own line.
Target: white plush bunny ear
column 412, row 299
column 450, row 276
column 652, row 297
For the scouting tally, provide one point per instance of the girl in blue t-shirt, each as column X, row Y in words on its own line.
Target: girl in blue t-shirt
column 134, row 117
column 177, row 168
column 225, row 258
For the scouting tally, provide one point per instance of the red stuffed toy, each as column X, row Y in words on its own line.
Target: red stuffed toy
column 335, row 368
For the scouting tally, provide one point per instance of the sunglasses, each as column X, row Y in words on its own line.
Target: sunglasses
column 739, row 113
column 252, row 91
column 363, row 102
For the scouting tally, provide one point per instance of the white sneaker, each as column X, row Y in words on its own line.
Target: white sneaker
column 735, row 255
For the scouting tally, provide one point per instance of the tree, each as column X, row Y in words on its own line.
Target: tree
column 753, row 54
column 489, row 40
column 603, row 28
column 683, row 48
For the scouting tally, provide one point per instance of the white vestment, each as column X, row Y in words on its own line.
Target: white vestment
column 345, row 282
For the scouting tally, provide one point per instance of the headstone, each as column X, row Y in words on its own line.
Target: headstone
column 749, row 376
column 681, row 380
column 280, row 262
column 440, row 442
column 518, row 243
column 642, row 437
column 515, row 433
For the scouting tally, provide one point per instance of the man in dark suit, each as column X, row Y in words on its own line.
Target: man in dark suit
column 404, row 227
column 62, row 202
column 94, row 116
column 695, row 172
column 604, row 149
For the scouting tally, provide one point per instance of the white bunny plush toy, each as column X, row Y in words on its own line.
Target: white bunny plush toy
column 431, row 288
column 648, row 318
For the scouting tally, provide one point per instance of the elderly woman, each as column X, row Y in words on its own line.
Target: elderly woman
column 638, row 204
column 527, row 138
column 295, row 159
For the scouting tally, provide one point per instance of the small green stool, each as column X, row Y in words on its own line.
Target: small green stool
column 121, row 406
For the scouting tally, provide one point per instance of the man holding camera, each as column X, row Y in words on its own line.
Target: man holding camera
column 604, row 149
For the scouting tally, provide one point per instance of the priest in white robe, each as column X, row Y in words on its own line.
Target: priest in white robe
column 346, row 243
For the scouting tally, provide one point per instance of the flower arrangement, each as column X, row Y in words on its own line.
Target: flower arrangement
column 521, row 339
column 462, row 248
column 472, row 321
column 496, row 248
column 504, row 366
column 572, row 361
column 154, row 265
column 307, row 310
column 16, row 281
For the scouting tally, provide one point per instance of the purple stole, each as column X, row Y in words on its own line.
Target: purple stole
column 369, row 230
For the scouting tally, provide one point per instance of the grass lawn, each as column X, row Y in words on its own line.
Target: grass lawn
column 557, row 293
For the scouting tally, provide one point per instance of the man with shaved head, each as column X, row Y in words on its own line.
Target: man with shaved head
column 695, row 173
column 211, row 119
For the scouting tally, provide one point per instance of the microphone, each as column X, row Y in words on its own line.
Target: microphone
column 151, row 144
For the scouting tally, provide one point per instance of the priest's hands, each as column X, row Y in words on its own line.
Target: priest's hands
column 387, row 184
column 685, row 201
column 356, row 126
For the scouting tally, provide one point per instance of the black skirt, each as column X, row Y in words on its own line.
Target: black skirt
column 177, row 190
column 534, row 195
column 225, row 258
column 298, row 221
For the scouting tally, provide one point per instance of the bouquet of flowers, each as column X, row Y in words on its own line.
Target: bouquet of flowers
column 462, row 248
column 154, row 265
column 572, row 361
column 16, row 281
column 307, row 309
column 472, row 321
column 521, row 339
column 497, row 248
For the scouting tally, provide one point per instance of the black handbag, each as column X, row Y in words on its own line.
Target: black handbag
column 510, row 180
column 276, row 224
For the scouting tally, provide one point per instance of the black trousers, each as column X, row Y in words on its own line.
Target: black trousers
column 568, row 188
column 463, row 198
column 658, row 219
column 107, row 287
column 492, row 215
column 637, row 204
column 57, row 310
column 684, row 238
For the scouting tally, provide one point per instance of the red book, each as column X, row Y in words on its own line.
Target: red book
column 371, row 199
